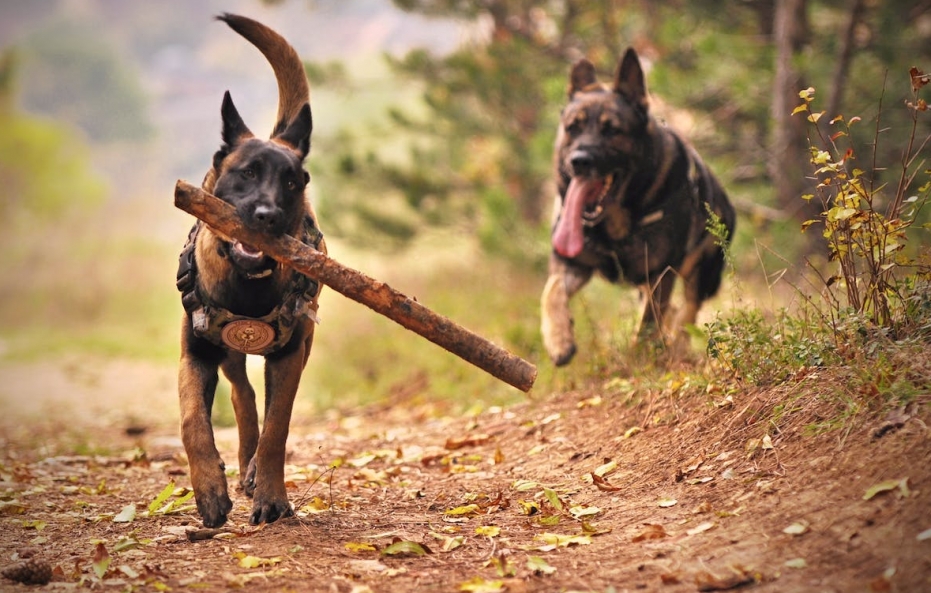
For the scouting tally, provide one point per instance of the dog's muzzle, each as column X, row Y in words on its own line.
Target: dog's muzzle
column 582, row 163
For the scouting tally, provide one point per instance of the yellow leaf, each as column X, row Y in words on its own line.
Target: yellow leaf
column 807, row 94
column 37, row 525
column 562, row 540
column 538, row 565
column 357, row 547
column 590, row 402
column 579, row 511
column 529, row 507
column 524, row 485
column 814, row 117
column 480, row 585
column 402, row 548
column 488, row 531
column 450, row 543
column 247, row 561
column 632, row 431
column 101, row 560
column 553, row 498
column 362, row 460
column 316, row 505
column 605, row 469
column 469, row 509
column 888, row 485
column 821, row 157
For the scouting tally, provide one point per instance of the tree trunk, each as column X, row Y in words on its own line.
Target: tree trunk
column 843, row 60
column 789, row 163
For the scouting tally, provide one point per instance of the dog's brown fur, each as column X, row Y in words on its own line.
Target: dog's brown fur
column 633, row 205
column 265, row 180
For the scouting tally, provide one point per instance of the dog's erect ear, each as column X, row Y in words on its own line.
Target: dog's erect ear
column 582, row 75
column 297, row 134
column 234, row 129
column 628, row 82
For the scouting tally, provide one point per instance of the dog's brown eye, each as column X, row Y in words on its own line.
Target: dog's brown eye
column 248, row 173
column 291, row 185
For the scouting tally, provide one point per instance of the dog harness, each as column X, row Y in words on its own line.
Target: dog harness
column 249, row 335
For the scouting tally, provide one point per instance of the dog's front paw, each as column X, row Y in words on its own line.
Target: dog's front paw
column 563, row 357
column 556, row 321
column 269, row 511
column 214, row 507
column 558, row 340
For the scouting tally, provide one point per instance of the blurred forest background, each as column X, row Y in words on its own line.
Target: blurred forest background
column 431, row 164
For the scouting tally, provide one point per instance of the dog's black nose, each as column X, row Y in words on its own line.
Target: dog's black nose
column 581, row 160
column 267, row 217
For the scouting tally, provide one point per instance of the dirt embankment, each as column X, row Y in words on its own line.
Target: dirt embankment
column 629, row 489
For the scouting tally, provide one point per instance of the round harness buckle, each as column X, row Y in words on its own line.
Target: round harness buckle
column 250, row 336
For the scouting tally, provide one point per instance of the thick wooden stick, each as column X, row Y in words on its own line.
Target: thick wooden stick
column 376, row 295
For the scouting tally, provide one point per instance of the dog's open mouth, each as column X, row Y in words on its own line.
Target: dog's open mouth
column 248, row 251
column 250, row 261
column 582, row 206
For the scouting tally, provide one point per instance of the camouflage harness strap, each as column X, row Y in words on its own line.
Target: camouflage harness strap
column 262, row 335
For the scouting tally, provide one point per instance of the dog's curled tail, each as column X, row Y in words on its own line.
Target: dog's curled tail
column 293, row 89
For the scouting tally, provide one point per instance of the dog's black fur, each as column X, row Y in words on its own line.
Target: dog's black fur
column 265, row 181
column 633, row 205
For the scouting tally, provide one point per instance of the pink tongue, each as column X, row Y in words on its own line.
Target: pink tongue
column 567, row 237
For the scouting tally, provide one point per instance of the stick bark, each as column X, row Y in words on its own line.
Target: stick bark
column 355, row 285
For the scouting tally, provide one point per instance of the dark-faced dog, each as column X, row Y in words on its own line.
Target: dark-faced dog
column 633, row 205
column 238, row 301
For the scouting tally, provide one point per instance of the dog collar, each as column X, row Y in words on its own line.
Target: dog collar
column 249, row 335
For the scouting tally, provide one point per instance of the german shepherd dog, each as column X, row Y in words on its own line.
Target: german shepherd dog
column 239, row 301
column 633, row 205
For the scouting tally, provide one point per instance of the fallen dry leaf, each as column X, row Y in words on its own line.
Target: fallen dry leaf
column 650, row 531
column 705, row 581
column 701, row 528
column 453, row 443
column 602, row 484
column 886, row 486
column 405, row 548
column 797, row 528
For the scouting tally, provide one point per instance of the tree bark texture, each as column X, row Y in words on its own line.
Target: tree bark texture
column 355, row 285
column 789, row 161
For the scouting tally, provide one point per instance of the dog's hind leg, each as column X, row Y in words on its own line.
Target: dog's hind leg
column 247, row 418
column 655, row 306
column 556, row 318
column 701, row 279
column 197, row 382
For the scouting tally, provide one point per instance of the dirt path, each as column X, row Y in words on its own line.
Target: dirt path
column 691, row 492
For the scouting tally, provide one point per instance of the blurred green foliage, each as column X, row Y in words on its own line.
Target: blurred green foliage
column 45, row 169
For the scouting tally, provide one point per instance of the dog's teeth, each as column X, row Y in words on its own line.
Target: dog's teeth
column 249, row 250
column 607, row 185
column 594, row 213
